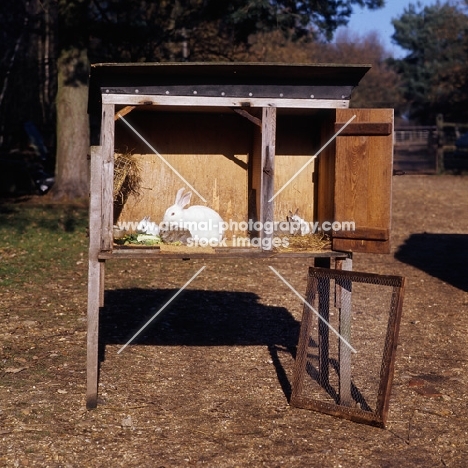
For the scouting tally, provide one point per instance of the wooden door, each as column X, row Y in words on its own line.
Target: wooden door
column 363, row 180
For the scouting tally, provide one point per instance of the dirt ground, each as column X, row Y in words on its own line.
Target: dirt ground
column 208, row 383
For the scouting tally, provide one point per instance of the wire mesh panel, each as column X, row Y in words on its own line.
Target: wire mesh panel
column 347, row 344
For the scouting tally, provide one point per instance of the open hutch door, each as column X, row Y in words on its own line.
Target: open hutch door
column 363, row 179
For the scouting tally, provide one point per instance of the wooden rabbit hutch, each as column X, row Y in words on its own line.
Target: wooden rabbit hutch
column 251, row 141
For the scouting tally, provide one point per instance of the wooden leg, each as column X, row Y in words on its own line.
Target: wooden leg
column 343, row 297
column 300, row 364
column 102, row 268
column 94, row 296
column 95, row 276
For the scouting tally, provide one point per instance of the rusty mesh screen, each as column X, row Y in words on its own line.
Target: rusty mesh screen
column 347, row 344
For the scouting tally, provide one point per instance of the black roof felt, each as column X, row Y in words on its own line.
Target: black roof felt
column 120, row 78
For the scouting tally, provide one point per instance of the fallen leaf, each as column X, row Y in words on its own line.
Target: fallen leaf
column 428, row 391
column 14, row 370
column 417, row 382
column 127, row 422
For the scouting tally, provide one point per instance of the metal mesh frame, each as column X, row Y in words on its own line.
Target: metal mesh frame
column 349, row 312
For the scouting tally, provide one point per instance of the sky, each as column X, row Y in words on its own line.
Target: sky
column 364, row 20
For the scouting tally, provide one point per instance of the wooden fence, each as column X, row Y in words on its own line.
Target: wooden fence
column 430, row 149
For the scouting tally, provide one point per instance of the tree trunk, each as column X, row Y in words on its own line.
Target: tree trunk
column 72, row 169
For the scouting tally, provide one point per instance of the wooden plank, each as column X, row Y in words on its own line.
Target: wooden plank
column 353, row 414
column 107, row 174
column 155, row 254
column 268, row 173
column 324, row 186
column 388, row 359
column 122, row 112
column 94, row 277
column 365, row 129
column 236, row 90
column 217, row 145
column 343, row 293
column 248, row 116
column 102, row 273
column 300, row 364
column 297, row 137
column 196, row 101
column 363, row 182
column 368, row 233
column 361, row 245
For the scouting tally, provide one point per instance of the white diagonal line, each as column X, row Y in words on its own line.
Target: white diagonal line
column 313, row 310
column 161, row 309
column 152, row 148
column 312, row 158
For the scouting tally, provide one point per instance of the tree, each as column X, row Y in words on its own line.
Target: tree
column 380, row 87
column 27, row 50
column 153, row 30
column 434, row 71
column 210, row 30
column 71, row 174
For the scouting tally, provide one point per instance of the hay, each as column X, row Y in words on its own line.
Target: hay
column 309, row 243
column 127, row 177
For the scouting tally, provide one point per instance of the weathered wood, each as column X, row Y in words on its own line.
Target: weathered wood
column 300, row 364
column 345, row 407
column 365, row 129
column 94, row 276
column 238, row 90
column 389, row 354
column 363, row 181
column 343, row 294
column 122, row 112
column 268, row 173
column 248, row 116
column 361, row 245
column 195, row 101
column 324, row 189
column 154, row 253
column 297, row 137
column 365, row 233
column 354, row 414
column 229, row 151
column 107, row 174
column 102, row 278
column 210, row 150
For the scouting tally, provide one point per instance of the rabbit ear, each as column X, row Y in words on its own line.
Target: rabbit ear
column 290, row 213
column 185, row 199
column 179, row 195
column 297, row 211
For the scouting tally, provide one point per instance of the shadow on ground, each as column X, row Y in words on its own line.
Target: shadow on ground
column 198, row 318
column 443, row 256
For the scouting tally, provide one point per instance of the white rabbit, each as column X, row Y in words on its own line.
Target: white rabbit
column 146, row 226
column 203, row 223
column 299, row 223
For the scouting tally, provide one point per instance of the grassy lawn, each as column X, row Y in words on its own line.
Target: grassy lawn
column 40, row 240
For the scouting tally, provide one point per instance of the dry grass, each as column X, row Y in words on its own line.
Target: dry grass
column 127, row 177
column 308, row 243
